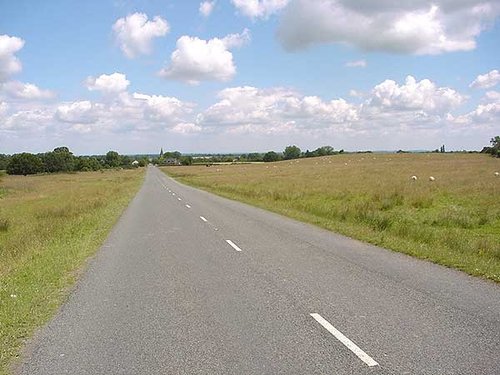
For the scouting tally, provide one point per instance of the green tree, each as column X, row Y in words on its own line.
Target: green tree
column 24, row 163
column 86, row 164
column 4, row 161
column 495, row 146
column 59, row 160
column 291, row 152
column 113, row 159
column 186, row 160
column 125, row 161
column 254, row 156
column 270, row 157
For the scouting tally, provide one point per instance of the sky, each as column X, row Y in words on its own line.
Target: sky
column 225, row 76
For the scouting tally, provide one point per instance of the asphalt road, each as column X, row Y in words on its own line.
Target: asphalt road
column 169, row 294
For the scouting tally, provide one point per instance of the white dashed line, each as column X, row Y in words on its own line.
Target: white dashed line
column 188, row 206
column 202, row 218
column 233, row 245
column 344, row 340
column 179, row 199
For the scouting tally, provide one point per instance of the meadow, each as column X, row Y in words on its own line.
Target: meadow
column 453, row 220
column 49, row 226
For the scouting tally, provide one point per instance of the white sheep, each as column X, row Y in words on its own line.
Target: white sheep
column 414, row 178
column 432, row 179
column 497, row 174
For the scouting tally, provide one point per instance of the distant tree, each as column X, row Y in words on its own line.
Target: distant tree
column 325, row 150
column 495, row 146
column 254, row 156
column 24, row 164
column 494, row 150
column 186, row 160
column 86, row 164
column 291, row 152
column 59, row 160
column 113, row 159
column 270, row 157
column 442, row 149
column 4, row 161
column 125, row 161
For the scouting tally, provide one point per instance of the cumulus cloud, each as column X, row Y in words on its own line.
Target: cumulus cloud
column 486, row 81
column 162, row 108
column 206, row 8
column 4, row 107
column 25, row 91
column 196, row 60
column 9, row 63
column 416, row 27
column 259, row 8
column 108, row 84
column 186, row 128
column 356, row 64
column 423, row 95
column 28, row 120
column 135, row 33
column 242, row 109
column 80, row 112
column 487, row 113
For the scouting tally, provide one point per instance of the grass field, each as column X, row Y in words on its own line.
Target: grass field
column 49, row 226
column 453, row 221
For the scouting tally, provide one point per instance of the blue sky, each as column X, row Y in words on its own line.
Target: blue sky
column 248, row 75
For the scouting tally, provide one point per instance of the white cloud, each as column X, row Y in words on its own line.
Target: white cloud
column 259, row 8
column 29, row 120
column 135, row 33
column 197, row 60
column 206, row 8
column 162, row 108
column 356, row 64
column 417, row 27
column 109, row 84
column 4, row 108
column 415, row 96
column 274, row 110
column 9, row 63
column 186, row 128
column 485, row 114
column 486, row 81
column 82, row 112
column 26, row 91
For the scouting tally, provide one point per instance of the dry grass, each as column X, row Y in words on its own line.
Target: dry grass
column 49, row 226
column 454, row 221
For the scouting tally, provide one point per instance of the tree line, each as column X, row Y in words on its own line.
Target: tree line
column 61, row 159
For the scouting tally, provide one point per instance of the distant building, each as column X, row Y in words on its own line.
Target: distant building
column 135, row 163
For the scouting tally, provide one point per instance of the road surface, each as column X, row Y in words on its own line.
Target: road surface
column 191, row 283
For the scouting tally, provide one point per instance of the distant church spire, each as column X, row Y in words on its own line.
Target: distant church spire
column 161, row 152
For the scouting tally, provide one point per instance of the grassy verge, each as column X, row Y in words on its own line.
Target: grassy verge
column 49, row 226
column 453, row 221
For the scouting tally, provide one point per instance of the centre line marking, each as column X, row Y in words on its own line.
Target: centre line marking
column 233, row 245
column 179, row 199
column 188, row 206
column 202, row 218
column 344, row 340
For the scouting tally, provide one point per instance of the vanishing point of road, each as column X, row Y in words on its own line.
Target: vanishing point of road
column 191, row 283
